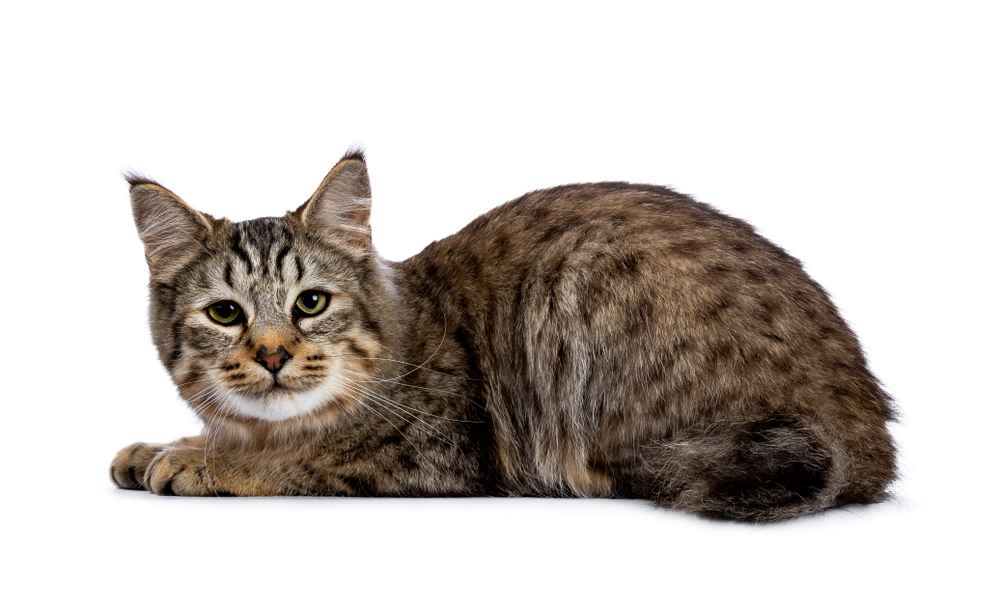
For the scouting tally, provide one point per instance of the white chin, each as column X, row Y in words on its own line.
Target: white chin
column 283, row 404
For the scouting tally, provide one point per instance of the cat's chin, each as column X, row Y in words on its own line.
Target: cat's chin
column 281, row 403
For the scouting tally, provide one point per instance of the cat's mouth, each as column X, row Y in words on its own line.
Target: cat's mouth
column 280, row 400
column 254, row 393
column 276, row 388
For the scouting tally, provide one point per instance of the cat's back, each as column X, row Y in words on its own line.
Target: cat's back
column 580, row 239
column 601, row 315
column 545, row 218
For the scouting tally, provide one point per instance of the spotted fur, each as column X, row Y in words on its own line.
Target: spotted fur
column 608, row 339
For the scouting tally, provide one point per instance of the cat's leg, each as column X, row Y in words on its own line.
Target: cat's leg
column 131, row 465
column 174, row 468
column 186, row 468
column 753, row 470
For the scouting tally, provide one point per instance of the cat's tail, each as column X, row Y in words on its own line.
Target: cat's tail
column 762, row 470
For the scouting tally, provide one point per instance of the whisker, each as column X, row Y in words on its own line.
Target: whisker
column 125, row 455
column 147, row 477
column 400, row 404
column 377, row 380
column 413, row 365
column 403, row 435
column 444, row 334
column 387, row 407
column 212, row 435
column 391, row 407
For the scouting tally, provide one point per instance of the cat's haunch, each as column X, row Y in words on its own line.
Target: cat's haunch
column 606, row 340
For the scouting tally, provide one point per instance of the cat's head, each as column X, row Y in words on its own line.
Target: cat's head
column 270, row 319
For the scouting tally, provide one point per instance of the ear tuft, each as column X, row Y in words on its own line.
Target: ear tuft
column 355, row 152
column 134, row 178
column 340, row 208
column 171, row 231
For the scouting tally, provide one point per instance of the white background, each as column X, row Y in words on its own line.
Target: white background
column 862, row 137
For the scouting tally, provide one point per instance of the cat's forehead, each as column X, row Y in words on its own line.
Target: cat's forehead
column 264, row 250
column 269, row 252
column 261, row 233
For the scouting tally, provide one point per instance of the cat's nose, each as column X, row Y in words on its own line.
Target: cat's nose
column 272, row 359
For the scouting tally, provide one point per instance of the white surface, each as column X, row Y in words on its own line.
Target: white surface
column 861, row 137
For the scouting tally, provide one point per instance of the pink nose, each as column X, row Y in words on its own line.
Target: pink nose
column 273, row 360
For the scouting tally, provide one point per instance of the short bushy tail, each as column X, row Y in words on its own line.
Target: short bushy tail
column 751, row 470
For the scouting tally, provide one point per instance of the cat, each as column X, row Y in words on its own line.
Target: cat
column 589, row 340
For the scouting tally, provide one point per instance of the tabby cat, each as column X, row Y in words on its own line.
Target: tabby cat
column 591, row 340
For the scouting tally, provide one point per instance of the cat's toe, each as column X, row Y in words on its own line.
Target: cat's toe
column 129, row 466
column 179, row 472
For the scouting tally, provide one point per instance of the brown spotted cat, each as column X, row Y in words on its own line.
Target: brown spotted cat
column 607, row 340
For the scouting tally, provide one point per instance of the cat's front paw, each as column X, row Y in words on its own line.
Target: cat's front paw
column 177, row 469
column 180, row 471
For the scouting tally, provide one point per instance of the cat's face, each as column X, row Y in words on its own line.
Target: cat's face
column 270, row 325
column 268, row 319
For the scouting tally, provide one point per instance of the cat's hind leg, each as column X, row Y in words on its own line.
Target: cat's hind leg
column 753, row 470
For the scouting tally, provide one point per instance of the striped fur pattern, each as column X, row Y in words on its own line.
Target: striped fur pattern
column 592, row 340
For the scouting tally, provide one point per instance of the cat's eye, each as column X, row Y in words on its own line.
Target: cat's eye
column 310, row 303
column 225, row 312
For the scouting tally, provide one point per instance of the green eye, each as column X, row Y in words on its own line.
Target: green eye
column 310, row 303
column 225, row 312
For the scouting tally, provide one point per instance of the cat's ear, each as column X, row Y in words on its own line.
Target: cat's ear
column 170, row 230
column 340, row 208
